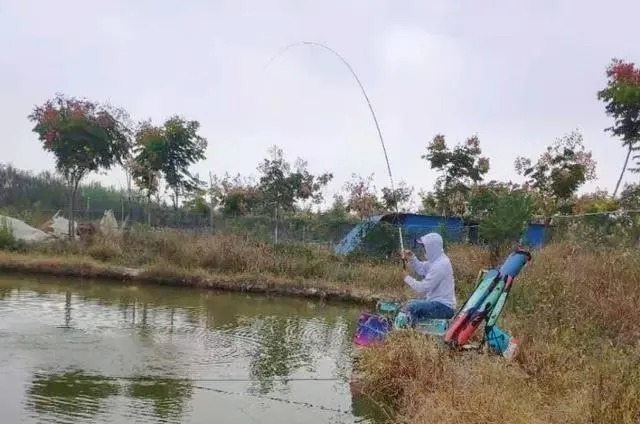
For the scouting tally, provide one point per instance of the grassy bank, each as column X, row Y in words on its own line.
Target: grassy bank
column 577, row 312
column 226, row 262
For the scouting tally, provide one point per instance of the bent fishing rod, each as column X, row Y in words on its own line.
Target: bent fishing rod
column 373, row 114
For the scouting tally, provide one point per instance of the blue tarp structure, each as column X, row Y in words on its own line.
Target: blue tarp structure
column 415, row 225
column 535, row 235
column 354, row 237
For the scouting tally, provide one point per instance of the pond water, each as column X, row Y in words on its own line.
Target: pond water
column 88, row 352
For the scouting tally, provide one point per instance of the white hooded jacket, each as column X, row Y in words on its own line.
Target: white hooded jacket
column 437, row 283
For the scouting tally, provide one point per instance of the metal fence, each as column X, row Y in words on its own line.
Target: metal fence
column 618, row 228
column 288, row 229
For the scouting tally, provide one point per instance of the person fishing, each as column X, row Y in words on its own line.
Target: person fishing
column 436, row 285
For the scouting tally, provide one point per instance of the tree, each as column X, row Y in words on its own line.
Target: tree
column 393, row 199
column 238, row 196
column 483, row 196
column 598, row 201
column 166, row 152
column 338, row 209
column 150, row 149
column 84, row 137
column 503, row 210
column 197, row 203
column 559, row 171
column 308, row 186
column 274, row 183
column 282, row 186
column 428, row 203
column 128, row 167
column 622, row 99
column 361, row 196
column 460, row 168
column 630, row 197
column 183, row 148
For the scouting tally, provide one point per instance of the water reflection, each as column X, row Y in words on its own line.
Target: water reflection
column 5, row 292
column 168, row 398
column 365, row 407
column 156, row 341
column 69, row 396
column 75, row 395
column 279, row 352
column 67, row 309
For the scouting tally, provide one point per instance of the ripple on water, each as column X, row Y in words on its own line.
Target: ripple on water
column 163, row 400
column 223, row 348
column 69, row 397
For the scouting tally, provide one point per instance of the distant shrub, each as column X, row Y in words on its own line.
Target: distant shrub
column 7, row 238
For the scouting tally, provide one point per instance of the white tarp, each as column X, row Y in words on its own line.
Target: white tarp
column 59, row 226
column 23, row 231
column 109, row 225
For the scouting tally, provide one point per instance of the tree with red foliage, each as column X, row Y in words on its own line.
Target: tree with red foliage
column 622, row 99
column 84, row 137
column 361, row 197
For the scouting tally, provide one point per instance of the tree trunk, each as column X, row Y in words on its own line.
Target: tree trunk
column 175, row 199
column 70, row 206
column 176, row 218
column 70, row 213
column 129, row 209
column 276, row 227
column 149, row 208
column 624, row 168
column 211, row 200
column 72, row 233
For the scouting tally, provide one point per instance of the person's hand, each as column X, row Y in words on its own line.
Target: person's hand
column 407, row 254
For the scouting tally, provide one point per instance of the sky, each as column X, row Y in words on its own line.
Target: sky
column 516, row 74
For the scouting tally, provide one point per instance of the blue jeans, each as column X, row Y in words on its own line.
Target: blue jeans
column 419, row 309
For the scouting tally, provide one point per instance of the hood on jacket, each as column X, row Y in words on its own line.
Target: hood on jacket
column 433, row 246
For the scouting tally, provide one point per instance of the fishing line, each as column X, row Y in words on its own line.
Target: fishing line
column 211, row 380
column 228, row 380
column 227, row 392
column 373, row 114
column 276, row 399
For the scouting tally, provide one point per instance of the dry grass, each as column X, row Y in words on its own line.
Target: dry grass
column 577, row 311
column 70, row 265
column 232, row 262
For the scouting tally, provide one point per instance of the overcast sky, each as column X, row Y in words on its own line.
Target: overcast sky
column 517, row 74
